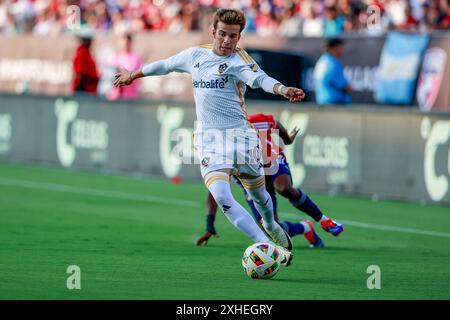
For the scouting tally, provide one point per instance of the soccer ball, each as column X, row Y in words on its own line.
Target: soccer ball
column 260, row 261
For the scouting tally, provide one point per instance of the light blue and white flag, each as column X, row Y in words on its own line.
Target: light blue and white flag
column 399, row 67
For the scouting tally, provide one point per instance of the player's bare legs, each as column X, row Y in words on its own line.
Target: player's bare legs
column 300, row 200
column 283, row 186
column 211, row 208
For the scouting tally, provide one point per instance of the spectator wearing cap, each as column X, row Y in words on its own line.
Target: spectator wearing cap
column 85, row 75
column 330, row 84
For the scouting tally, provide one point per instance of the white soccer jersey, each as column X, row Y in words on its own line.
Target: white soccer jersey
column 219, row 83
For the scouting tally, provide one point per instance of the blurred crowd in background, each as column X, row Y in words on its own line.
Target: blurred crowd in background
column 264, row 17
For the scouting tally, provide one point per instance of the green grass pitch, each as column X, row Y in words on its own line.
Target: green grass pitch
column 133, row 238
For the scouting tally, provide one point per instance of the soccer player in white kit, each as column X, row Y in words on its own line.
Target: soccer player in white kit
column 220, row 73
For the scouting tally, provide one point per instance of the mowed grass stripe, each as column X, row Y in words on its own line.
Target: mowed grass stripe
column 194, row 204
column 145, row 250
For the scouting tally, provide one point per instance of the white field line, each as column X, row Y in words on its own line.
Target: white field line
column 154, row 199
column 381, row 227
column 95, row 192
column 396, row 229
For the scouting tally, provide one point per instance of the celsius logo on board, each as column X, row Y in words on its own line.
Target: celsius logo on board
column 327, row 152
column 5, row 132
column 73, row 134
column 436, row 157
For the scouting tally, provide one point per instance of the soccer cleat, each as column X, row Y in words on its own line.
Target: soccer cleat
column 279, row 236
column 312, row 237
column 285, row 258
column 332, row 227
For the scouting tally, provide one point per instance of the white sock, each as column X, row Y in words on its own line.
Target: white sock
column 324, row 217
column 261, row 199
column 306, row 226
column 219, row 185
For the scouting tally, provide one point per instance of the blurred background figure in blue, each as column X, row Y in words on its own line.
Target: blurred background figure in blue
column 330, row 83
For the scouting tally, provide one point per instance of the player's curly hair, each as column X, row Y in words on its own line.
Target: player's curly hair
column 229, row 16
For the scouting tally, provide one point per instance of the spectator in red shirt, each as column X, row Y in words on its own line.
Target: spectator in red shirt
column 410, row 22
column 445, row 23
column 85, row 76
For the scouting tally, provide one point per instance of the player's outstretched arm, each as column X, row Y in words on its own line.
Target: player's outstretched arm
column 287, row 138
column 293, row 94
column 180, row 62
column 125, row 77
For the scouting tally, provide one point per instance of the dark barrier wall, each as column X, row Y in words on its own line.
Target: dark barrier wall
column 388, row 154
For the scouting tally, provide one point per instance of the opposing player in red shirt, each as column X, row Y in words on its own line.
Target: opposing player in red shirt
column 278, row 180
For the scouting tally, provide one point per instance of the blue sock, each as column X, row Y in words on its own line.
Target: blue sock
column 292, row 229
column 254, row 211
column 305, row 204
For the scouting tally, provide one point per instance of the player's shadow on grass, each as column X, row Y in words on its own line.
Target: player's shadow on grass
column 335, row 248
column 308, row 281
column 298, row 248
column 290, row 280
column 225, row 245
column 352, row 249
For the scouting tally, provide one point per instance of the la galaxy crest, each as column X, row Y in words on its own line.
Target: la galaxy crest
column 205, row 162
column 222, row 68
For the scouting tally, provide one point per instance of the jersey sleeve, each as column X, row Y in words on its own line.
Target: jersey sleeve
column 248, row 71
column 181, row 62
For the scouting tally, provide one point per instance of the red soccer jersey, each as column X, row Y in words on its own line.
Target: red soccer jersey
column 266, row 123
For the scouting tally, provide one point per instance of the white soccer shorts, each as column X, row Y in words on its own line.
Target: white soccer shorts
column 236, row 148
